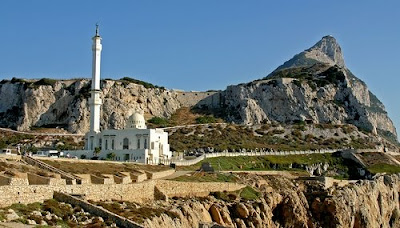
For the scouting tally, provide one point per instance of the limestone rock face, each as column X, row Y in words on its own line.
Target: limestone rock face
column 313, row 86
column 367, row 203
column 65, row 104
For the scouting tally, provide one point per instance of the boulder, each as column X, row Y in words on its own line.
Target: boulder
column 242, row 210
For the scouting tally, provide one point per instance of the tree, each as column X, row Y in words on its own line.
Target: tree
column 111, row 156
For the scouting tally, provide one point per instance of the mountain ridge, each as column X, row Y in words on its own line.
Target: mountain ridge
column 315, row 85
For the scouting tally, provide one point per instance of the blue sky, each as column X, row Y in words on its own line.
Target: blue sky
column 198, row 45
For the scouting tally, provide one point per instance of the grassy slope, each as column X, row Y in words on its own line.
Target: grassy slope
column 267, row 162
column 234, row 137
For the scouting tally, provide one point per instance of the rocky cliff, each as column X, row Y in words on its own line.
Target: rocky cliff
column 288, row 203
column 314, row 86
column 26, row 104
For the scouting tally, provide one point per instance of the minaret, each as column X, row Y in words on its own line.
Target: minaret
column 95, row 101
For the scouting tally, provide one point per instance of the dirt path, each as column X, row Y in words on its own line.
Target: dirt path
column 176, row 174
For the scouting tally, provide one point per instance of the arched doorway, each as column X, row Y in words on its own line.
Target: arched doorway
column 125, row 144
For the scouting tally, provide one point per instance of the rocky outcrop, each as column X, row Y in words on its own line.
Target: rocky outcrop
column 372, row 203
column 313, row 86
column 64, row 104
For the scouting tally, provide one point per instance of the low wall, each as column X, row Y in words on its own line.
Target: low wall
column 329, row 182
column 159, row 175
column 4, row 180
column 96, row 210
column 84, row 178
column 136, row 176
column 194, row 189
column 141, row 192
column 135, row 192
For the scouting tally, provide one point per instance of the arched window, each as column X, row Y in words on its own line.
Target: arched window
column 112, row 144
column 138, row 143
column 125, row 144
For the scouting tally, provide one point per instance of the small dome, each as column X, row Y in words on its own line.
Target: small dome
column 136, row 121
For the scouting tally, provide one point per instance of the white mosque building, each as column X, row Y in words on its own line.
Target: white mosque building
column 134, row 143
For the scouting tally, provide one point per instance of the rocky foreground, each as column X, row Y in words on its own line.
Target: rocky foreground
column 268, row 201
column 286, row 203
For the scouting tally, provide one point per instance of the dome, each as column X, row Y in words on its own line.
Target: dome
column 136, row 121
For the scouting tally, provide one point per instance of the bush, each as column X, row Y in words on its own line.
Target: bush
column 111, row 156
column 158, row 121
column 45, row 82
column 139, row 82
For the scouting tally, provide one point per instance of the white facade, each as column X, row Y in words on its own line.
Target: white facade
column 134, row 143
column 95, row 101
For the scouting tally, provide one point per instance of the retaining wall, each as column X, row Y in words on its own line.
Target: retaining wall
column 192, row 189
column 135, row 192
column 208, row 99
column 159, row 175
column 141, row 192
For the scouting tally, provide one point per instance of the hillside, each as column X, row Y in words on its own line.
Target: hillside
column 315, row 86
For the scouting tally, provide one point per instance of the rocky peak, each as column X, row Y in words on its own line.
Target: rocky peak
column 327, row 50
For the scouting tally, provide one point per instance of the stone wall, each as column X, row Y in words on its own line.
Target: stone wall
column 141, row 192
column 135, row 192
column 159, row 175
column 194, row 189
column 329, row 182
column 190, row 99
column 40, row 180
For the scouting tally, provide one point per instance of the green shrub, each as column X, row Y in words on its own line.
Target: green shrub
column 139, row 82
column 111, row 156
column 45, row 81
column 159, row 121
column 248, row 193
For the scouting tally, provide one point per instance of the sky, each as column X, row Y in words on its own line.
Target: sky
column 198, row 45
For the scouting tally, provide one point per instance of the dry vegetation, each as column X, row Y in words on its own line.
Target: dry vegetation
column 101, row 167
column 28, row 142
column 133, row 211
column 12, row 168
column 290, row 137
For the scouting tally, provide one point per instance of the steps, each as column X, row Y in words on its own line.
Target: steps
column 70, row 178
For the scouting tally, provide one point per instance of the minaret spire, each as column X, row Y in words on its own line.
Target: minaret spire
column 97, row 29
column 95, row 101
